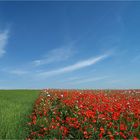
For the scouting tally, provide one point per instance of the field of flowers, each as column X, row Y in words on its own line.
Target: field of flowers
column 85, row 114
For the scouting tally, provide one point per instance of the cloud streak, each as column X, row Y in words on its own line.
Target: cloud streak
column 18, row 72
column 76, row 66
column 55, row 55
column 90, row 80
column 3, row 41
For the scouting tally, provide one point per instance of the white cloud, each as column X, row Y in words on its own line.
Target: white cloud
column 73, row 78
column 3, row 41
column 89, row 80
column 55, row 55
column 76, row 66
column 117, row 81
column 18, row 72
column 70, row 79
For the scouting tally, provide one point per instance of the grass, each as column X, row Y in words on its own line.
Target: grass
column 15, row 106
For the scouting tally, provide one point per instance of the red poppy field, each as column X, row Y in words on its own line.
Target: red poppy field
column 85, row 114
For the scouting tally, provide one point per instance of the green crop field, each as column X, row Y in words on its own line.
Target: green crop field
column 15, row 106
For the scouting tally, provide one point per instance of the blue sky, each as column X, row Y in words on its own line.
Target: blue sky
column 69, row 45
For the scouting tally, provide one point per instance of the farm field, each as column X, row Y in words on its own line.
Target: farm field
column 15, row 106
column 70, row 114
column 86, row 114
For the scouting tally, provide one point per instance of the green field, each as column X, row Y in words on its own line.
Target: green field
column 15, row 106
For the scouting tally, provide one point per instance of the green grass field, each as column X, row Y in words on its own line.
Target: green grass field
column 15, row 106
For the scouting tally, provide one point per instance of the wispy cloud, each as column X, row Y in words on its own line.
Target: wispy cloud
column 86, row 80
column 3, row 41
column 18, row 72
column 55, row 55
column 76, row 66
column 118, row 81
column 73, row 78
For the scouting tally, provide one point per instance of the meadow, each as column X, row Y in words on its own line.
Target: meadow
column 15, row 106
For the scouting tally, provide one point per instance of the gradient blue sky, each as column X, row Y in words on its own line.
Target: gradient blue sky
column 69, row 45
